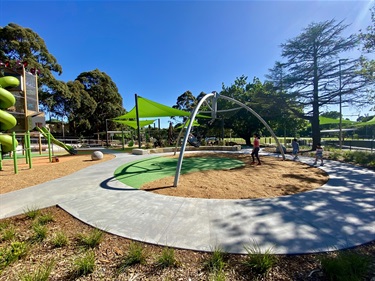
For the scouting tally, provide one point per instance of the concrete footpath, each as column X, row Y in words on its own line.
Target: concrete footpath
column 338, row 215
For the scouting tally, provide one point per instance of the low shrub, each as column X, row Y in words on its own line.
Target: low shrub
column 32, row 213
column 8, row 233
column 135, row 255
column 84, row 265
column 167, row 258
column 216, row 262
column 42, row 273
column 45, row 218
column 59, row 239
column 345, row 266
column 12, row 253
column 92, row 239
column 40, row 232
column 259, row 262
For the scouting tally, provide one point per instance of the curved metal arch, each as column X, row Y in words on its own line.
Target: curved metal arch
column 192, row 118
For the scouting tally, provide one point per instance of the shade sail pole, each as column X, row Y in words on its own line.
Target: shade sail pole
column 137, row 117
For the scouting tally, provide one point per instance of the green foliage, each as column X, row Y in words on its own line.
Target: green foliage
column 272, row 105
column 259, row 262
column 186, row 102
column 359, row 157
column 92, row 239
column 345, row 266
column 4, row 224
column 217, row 276
column 313, row 75
column 8, row 233
column 23, row 44
column 104, row 101
column 45, row 218
column 216, row 262
column 167, row 258
column 32, row 213
column 334, row 154
column 40, row 232
column 59, row 239
column 331, row 114
column 12, row 253
column 85, row 265
column 42, row 273
column 92, row 94
column 135, row 255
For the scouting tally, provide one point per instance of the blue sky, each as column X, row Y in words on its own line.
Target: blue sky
column 160, row 49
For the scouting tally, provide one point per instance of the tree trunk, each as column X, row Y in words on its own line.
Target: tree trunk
column 315, row 118
column 315, row 130
column 247, row 139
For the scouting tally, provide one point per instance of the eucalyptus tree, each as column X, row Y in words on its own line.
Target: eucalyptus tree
column 81, row 106
column 22, row 45
column 186, row 101
column 273, row 106
column 316, row 75
column 99, row 100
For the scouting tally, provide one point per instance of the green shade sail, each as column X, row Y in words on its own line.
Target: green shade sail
column 148, row 108
column 326, row 120
column 368, row 123
column 133, row 124
column 195, row 124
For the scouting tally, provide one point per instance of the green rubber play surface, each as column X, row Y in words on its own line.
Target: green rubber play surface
column 137, row 173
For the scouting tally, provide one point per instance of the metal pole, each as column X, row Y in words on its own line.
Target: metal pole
column 340, row 122
column 122, row 138
column 28, row 148
column 14, row 149
column 340, row 102
column 137, row 116
column 49, row 146
column 106, row 132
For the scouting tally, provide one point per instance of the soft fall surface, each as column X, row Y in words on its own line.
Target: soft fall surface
column 274, row 177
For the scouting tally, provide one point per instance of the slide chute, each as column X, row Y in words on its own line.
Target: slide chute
column 7, row 120
column 45, row 132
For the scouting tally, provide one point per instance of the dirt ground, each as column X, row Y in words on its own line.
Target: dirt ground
column 42, row 170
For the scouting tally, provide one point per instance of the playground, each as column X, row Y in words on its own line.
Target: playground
column 272, row 179
column 306, row 222
column 298, row 207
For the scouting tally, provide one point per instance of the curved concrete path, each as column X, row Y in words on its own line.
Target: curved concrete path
column 339, row 215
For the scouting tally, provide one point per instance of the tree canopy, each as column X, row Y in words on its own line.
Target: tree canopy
column 314, row 73
column 263, row 99
column 86, row 102
column 96, row 99
column 368, row 65
column 23, row 45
